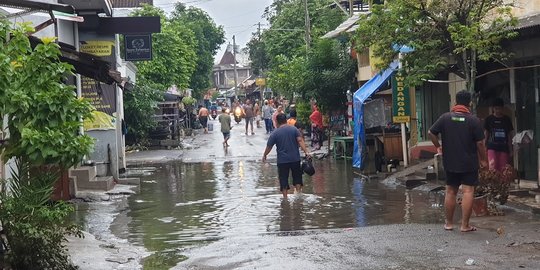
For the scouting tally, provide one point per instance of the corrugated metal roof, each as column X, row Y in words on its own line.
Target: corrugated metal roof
column 343, row 27
column 528, row 21
column 36, row 5
column 131, row 3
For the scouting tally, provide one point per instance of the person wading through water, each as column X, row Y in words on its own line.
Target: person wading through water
column 287, row 139
column 225, row 121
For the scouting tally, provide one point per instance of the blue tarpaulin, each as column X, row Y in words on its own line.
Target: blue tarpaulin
column 360, row 96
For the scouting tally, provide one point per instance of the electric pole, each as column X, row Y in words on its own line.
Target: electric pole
column 308, row 26
column 260, row 49
column 235, row 71
column 351, row 8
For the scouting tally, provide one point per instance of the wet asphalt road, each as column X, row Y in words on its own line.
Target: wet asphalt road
column 220, row 209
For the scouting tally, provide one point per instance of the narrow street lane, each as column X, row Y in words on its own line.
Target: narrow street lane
column 216, row 208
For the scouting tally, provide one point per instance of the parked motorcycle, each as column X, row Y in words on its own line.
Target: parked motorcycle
column 238, row 115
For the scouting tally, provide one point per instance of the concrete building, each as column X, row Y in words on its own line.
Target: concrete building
column 515, row 80
column 90, row 42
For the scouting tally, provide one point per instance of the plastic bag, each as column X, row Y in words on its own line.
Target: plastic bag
column 307, row 167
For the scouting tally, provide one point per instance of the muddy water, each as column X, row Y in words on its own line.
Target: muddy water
column 185, row 204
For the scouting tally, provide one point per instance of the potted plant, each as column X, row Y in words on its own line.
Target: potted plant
column 493, row 189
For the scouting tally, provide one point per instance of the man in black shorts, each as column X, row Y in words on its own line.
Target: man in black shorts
column 287, row 140
column 463, row 147
column 203, row 117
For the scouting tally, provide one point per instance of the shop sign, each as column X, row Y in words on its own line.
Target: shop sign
column 400, row 98
column 260, row 81
column 138, row 47
column 101, row 96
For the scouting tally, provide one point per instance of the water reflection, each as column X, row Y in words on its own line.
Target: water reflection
column 360, row 200
column 183, row 204
column 292, row 215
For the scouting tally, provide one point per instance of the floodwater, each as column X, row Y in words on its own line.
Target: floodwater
column 182, row 205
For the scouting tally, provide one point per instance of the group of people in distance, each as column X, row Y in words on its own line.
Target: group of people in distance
column 286, row 134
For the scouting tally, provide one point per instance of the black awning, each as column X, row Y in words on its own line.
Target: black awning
column 35, row 5
column 121, row 25
column 86, row 64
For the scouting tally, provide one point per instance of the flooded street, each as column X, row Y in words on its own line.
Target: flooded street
column 183, row 204
column 214, row 194
column 206, row 207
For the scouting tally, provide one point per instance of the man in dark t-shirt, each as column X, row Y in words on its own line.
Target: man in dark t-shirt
column 463, row 148
column 287, row 140
column 499, row 132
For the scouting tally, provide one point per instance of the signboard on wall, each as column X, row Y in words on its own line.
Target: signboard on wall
column 337, row 120
column 401, row 112
column 138, row 47
column 260, row 81
column 102, row 96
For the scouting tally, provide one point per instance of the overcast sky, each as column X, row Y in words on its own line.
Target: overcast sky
column 238, row 17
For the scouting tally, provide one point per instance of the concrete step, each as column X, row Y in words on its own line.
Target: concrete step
column 84, row 173
column 412, row 181
column 431, row 187
column 520, row 193
column 129, row 181
column 104, row 183
column 424, row 173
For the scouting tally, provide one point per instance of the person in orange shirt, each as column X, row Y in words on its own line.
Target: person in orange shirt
column 317, row 130
column 293, row 121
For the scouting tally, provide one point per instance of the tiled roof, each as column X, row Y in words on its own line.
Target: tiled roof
column 130, row 3
column 227, row 59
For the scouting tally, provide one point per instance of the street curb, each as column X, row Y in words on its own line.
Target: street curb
column 523, row 207
column 411, row 170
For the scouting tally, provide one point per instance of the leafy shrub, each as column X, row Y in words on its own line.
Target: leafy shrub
column 43, row 118
column 139, row 106
column 303, row 111
column 35, row 228
column 188, row 101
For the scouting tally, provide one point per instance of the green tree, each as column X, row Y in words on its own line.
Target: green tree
column 281, row 53
column 43, row 114
column 139, row 105
column 256, row 49
column 441, row 33
column 324, row 75
column 290, row 76
column 331, row 73
column 286, row 35
column 43, row 119
column 174, row 50
column 209, row 38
